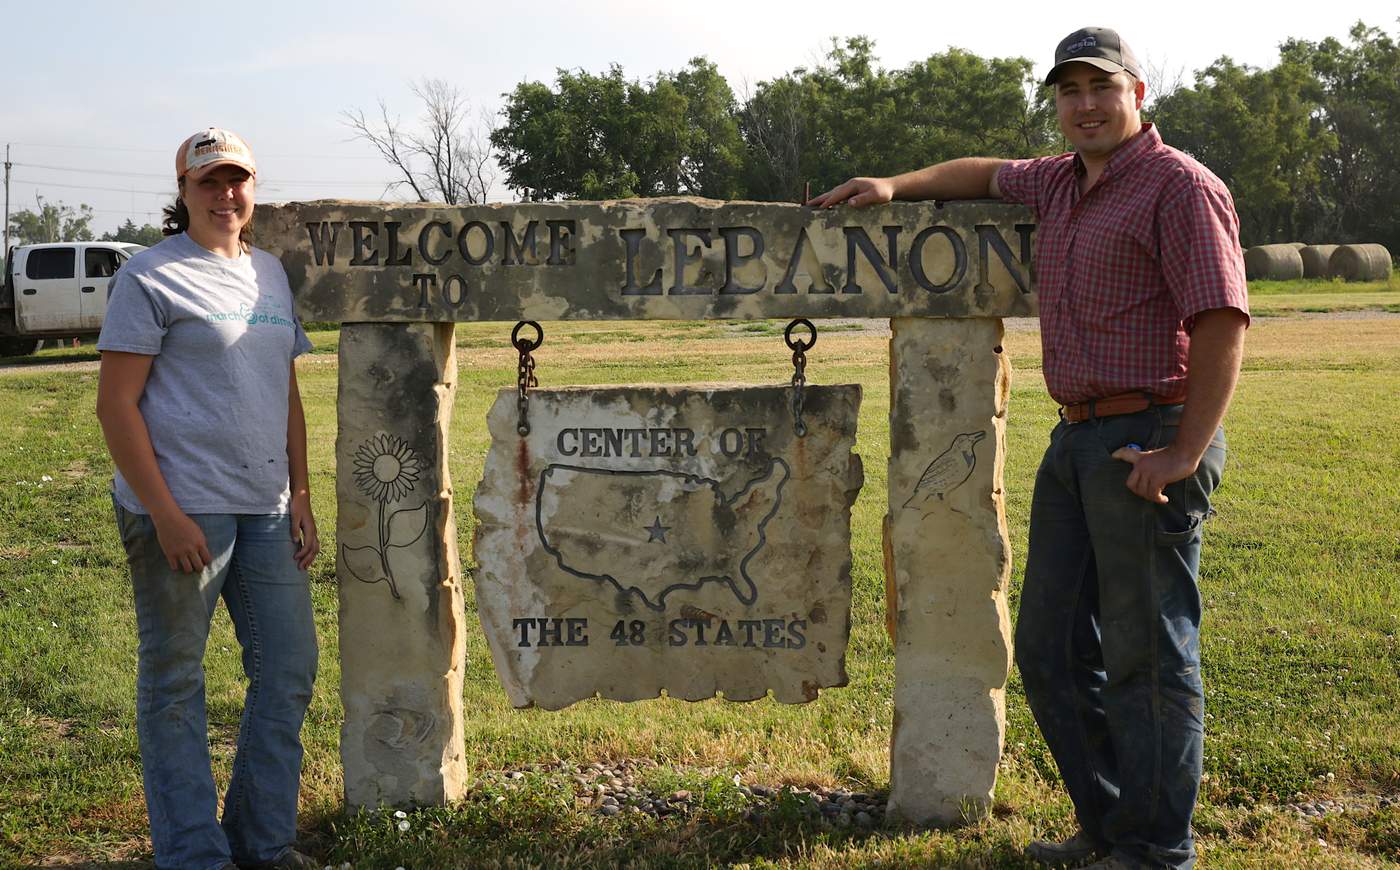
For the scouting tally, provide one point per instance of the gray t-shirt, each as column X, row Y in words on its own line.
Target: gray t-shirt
column 223, row 335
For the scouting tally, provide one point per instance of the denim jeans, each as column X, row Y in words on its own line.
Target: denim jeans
column 1108, row 636
column 269, row 600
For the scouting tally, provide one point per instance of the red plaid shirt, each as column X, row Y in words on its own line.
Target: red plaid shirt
column 1122, row 270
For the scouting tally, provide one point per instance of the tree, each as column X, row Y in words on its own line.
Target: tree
column 1357, row 95
column 775, row 127
column 713, row 150
column 50, row 223
column 849, row 117
column 1257, row 130
column 602, row 136
column 448, row 160
column 957, row 104
column 147, row 235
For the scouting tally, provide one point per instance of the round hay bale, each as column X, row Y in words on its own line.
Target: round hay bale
column 1273, row 263
column 1360, row 263
column 1299, row 245
column 1315, row 259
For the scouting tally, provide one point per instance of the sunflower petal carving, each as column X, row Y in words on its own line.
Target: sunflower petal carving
column 386, row 468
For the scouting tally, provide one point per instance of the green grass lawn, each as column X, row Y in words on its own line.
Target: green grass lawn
column 1319, row 296
column 1301, row 582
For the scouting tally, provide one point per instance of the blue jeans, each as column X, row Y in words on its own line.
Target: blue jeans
column 1108, row 634
column 269, row 600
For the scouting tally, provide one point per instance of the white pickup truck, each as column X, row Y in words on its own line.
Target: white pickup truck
column 57, row 290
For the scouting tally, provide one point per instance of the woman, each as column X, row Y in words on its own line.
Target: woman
column 199, row 405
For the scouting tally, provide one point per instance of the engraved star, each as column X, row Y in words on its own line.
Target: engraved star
column 657, row 531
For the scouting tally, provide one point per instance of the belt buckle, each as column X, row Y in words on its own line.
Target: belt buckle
column 1066, row 419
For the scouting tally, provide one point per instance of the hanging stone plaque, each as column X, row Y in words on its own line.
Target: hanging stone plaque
column 677, row 539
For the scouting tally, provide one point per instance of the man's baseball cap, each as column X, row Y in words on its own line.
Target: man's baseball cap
column 1096, row 46
column 209, row 148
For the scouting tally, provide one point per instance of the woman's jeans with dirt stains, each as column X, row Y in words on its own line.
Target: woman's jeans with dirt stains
column 1108, row 637
column 269, row 600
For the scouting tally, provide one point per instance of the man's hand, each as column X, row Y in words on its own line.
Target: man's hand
column 1154, row 470
column 858, row 192
column 304, row 531
column 182, row 541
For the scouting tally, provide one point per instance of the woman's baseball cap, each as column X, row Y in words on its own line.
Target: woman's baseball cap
column 209, row 148
column 1098, row 47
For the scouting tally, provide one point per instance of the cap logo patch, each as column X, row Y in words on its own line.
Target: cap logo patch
column 1086, row 42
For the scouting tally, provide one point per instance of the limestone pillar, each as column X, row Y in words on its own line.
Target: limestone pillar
column 402, row 650
column 948, row 558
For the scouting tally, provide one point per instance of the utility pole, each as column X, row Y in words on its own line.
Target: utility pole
column 6, row 249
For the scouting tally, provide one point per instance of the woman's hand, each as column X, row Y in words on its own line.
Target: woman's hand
column 304, row 530
column 182, row 541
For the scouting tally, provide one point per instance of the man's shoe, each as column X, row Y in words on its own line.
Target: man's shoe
column 1112, row 862
column 1067, row 853
column 290, row 860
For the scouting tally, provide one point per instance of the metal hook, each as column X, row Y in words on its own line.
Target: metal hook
column 799, row 370
column 525, row 371
column 800, row 346
column 525, row 345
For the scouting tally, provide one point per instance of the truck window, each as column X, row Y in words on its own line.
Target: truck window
column 101, row 262
column 46, row 263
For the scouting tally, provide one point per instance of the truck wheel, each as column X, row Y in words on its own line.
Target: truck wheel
column 18, row 346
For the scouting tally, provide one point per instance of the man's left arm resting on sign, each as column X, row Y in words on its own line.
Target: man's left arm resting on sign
column 1213, row 367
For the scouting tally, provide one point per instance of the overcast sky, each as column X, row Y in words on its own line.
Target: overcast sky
column 103, row 92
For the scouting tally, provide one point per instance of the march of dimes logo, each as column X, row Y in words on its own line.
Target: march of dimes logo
column 250, row 316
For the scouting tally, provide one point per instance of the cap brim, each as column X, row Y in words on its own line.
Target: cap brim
column 200, row 171
column 1098, row 62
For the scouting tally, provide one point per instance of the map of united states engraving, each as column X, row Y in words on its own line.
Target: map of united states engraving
column 680, row 540
column 654, row 533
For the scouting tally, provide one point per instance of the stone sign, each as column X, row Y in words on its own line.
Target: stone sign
column 642, row 539
column 948, row 563
column 735, row 600
column 402, row 631
column 661, row 258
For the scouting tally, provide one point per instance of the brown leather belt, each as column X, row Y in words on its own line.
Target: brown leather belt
column 1111, row 406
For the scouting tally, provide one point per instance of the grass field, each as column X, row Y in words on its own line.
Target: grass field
column 1301, row 582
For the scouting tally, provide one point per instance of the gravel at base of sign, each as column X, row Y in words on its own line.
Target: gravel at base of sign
column 616, row 788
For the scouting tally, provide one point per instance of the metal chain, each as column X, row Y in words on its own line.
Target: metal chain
column 799, row 371
column 525, row 371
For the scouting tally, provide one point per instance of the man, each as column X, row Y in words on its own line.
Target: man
column 1143, row 310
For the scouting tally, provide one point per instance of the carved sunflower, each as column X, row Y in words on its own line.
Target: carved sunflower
column 386, row 468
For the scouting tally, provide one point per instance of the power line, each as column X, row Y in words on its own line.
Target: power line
column 124, row 211
column 329, row 182
column 276, row 187
column 165, row 151
column 97, row 171
column 91, row 147
column 91, row 187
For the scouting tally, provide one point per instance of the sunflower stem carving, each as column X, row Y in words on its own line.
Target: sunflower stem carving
column 386, row 471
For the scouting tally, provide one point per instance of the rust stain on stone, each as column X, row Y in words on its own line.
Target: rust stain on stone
column 690, row 611
column 524, row 481
column 525, row 489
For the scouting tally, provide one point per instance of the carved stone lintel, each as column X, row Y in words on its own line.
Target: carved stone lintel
column 670, row 258
column 949, row 556
column 402, row 649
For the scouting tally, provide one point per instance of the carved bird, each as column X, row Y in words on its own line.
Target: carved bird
column 949, row 469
